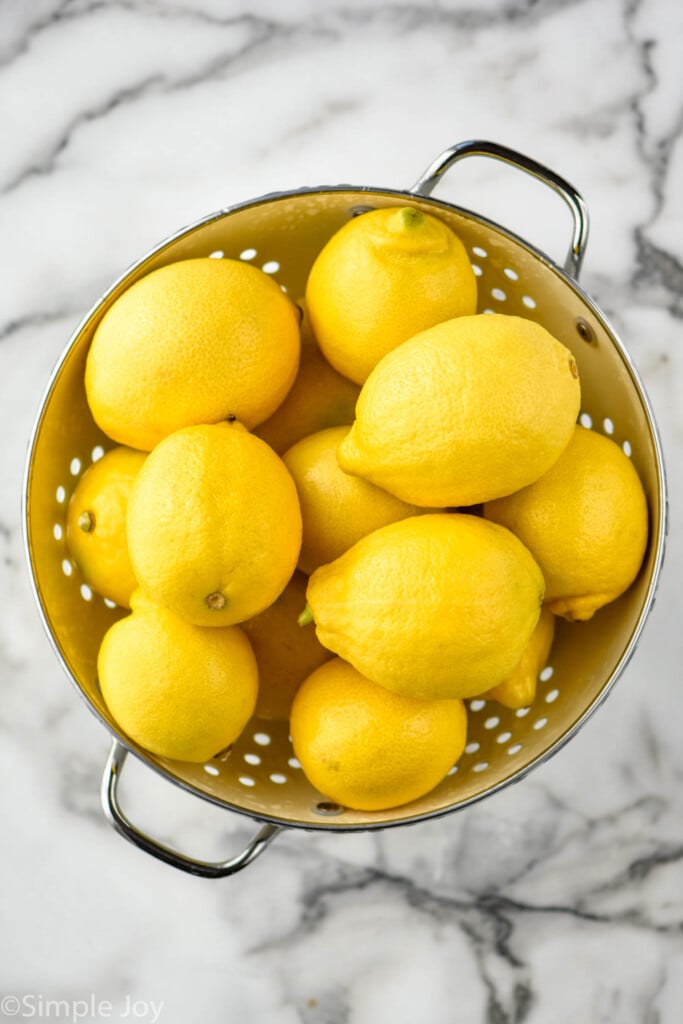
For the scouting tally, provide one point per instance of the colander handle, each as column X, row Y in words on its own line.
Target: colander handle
column 478, row 147
column 205, row 869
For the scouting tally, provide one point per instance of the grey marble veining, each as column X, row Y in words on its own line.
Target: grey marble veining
column 560, row 899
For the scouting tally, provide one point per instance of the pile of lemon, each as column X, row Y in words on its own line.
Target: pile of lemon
column 353, row 513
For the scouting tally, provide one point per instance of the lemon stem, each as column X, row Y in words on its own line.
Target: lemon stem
column 306, row 617
column 215, row 601
column 86, row 522
column 411, row 217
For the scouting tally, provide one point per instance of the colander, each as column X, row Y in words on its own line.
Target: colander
column 260, row 776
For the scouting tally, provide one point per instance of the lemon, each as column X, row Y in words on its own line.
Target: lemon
column 436, row 606
column 381, row 278
column 96, row 524
column 464, row 412
column 319, row 398
column 193, row 342
column 519, row 689
column 179, row 691
column 214, row 525
column 285, row 653
column 336, row 509
column 586, row 523
column 368, row 748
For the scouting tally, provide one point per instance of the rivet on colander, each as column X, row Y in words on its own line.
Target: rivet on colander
column 328, row 807
column 356, row 211
column 585, row 331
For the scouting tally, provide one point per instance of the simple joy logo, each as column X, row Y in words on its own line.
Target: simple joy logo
column 36, row 1006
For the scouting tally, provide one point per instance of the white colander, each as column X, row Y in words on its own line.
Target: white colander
column 260, row 777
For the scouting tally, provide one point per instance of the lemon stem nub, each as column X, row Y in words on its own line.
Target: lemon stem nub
column 86, row 522
column 306, row 617
column 215, row 601
column 411, row 217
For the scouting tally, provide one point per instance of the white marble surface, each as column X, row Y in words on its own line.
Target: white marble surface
column 560, row 899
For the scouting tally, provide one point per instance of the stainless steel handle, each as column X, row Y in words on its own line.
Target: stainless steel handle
column 478, row 147
column 205, row 869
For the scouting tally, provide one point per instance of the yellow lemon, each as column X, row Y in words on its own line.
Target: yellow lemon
column 519, row 689
column 467, row 411
column 368, row 748
column 180, row 691
column 586, row 523
column 214, row 525
column 319, row 398
column 196, row 341
column 381, row 278
column 285, row 653
column 436, row 606
column 336, row 509
column 96, row 524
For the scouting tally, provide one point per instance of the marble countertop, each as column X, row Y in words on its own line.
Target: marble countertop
column 558, row 900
